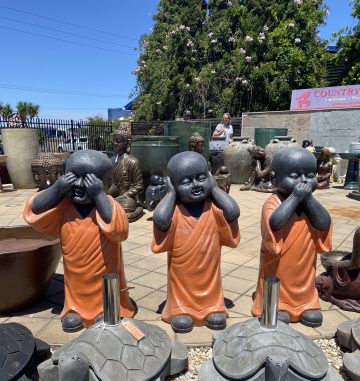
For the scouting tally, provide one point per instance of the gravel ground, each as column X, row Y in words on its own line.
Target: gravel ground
column 199, row 355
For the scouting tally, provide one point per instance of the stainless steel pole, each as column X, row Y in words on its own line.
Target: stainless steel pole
column 111, row 298
column 270, row 302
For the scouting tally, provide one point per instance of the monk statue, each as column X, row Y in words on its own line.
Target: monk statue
column 127, row 182
column 91, row 226
column 223, row 178
column 197, row 144
column 46, row 169
column 191, row 223
column 340, row 284
column 294, row 228
column 324, row 168
column 260, row 171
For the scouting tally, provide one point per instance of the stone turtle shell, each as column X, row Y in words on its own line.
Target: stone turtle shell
column 241, row 350
column 17, row 348
column 113, row 350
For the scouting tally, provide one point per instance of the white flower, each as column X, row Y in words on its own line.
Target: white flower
column 244, row 82
column 197, row 79
column 145, row 44
column 189, row 43
column 248, row 38
column 173, row 32
column 260, row 41
column 210, row 110
column 137, row 69
column 188, row 28
column 142, row 61
column 213, row 72
column 158, row 50
column 297, row 40
column 182, row 27
column 231, row 39
column 210, row 34
column 214, row 41
column 298, row 2
column 229, row 3
column 242, row 51
column 187, row 85
column 262, row 36
column 194, row 50
column 265, row 28
column 327, row 12
column 165, row 47
column 158, row 102
column 238, row 78
column 248, row 59
column 291, row 25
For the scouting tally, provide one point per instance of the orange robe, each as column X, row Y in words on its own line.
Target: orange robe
column 290, row 254
column 194, row 249
column 90, row 248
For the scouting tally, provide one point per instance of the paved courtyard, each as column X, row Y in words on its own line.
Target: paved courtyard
column 146, row 272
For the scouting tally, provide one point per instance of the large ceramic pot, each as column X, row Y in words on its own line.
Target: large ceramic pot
column 154, row 153
column 279, row 143
column 28, row 261
column 21, row 146
column 238, row 160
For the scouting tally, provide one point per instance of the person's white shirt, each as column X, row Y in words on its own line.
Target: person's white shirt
column 226, row 131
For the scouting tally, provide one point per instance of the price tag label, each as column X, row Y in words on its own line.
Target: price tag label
column 132, row 329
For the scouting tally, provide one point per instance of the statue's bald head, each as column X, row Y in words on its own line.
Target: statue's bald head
column 88, row 161
column 185, row 161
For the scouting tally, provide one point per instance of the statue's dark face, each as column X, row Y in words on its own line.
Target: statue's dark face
column 120, row 144
column 199, row 147
column 39, row 176
column 192, row 181
column 54, row 173
column 294, row 169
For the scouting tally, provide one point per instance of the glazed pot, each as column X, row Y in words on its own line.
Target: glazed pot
column 279, row 143
column 153, row 153
column 238, row 160
column 28, row 261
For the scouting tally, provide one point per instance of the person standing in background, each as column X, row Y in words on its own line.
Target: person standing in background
column 224, row 129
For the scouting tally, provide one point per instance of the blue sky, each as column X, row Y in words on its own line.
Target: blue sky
column 75, row 77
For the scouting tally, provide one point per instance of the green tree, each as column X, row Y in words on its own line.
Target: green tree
column 33, row 110
column 22, row 109
column 238, row 55
column 348, row 55
column 6, row 110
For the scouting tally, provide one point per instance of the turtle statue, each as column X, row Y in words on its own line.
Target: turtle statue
column 348, row 334
column 110, row 352
column 20, row 352
column 266, row 348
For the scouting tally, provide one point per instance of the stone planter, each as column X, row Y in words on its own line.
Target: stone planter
column 21, row 145
column 28, row 261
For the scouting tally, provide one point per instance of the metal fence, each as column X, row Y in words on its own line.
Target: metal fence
column 57, row 135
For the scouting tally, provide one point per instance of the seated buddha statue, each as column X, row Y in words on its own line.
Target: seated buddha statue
column 46, row 169
column 127, row 183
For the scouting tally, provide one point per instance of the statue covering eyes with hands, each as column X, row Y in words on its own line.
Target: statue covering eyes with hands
column 91, row 226
column 294, row 228
column 191, row 223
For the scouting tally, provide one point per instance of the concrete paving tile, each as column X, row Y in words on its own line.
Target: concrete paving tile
column 236, row 319
column 43, row 309
column 231, row 283
column 331, row 320
column 132, row 273
column 311, row 333
column 34, row 324
column 162, row 270
column 53, row 334
column 243, row 305
column 153, row 279
column 128, row 245
column 325, row 306
column 151, row 263
column 227, row 267
column 131, row 258
column 349, row 315
column 245, row 272
column 153, row 301
column 165, row 326
column 199, row 336
column 145, row 314
column 235, row 258
column 139, row 291
column 4, row 319
column 143, row 250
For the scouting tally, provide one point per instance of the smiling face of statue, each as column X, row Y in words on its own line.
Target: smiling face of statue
column 292, row 166
column 190, row 176
column 85, row 162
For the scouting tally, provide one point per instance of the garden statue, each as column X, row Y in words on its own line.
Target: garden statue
column 46, row 169
column 324, row 168
column 260, row 171
column 20, row 353
column 191, row 223
column 348, row 335
column 340, row 284
column 91, row 226
column 115, row 349
column 266, row 350
column 223, row 178
column 294, row 228
column 127, row 182
column 196, row 143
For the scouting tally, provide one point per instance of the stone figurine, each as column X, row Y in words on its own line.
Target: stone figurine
column 260, row 170
column 340, row 284
column 91, row 226
column 46, row 169
column 127, row 183
column 294, row 228
column 196, row 143
column 324, row 169
column 223, row 178
column 191, row 223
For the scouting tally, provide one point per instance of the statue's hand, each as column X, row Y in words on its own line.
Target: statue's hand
column 169, row 185
column 93, row 185
column 65, row 182
column 302, row 191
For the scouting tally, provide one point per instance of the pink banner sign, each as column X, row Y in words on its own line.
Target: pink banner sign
column 326, row 97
